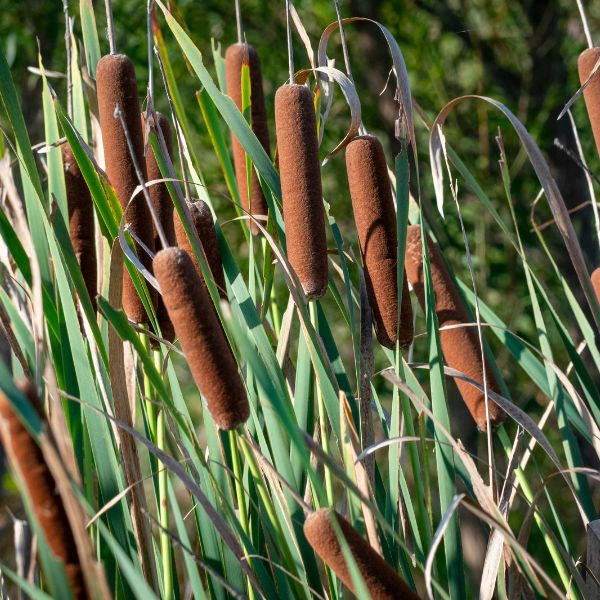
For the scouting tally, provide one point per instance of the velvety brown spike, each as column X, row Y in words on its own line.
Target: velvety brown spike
column 596, row 282
column 116, row 85
column 27, row 459
column 163, row 205
column 234, row 58
column 204, row 344
column 591, row 94
column 298, row 151
column 205, row 228
column 381, row 581
column 375, row 219
column 460, row 345
column 81, row 221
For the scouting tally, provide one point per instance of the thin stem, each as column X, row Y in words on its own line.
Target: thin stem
column 238, row 20
column 322, row 417
column 584, row 22
column 163, row 482
column 159, row 228
column 361, row 129
column 288, row 27
column 150, row 53
column 110, row 26
column 178, row 131
column 239, row 492
column 588, row 178
column 338, row 12
column 69, row 59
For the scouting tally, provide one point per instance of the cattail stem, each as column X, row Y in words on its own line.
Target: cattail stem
column 338, row 13
column 323, row 529
column 163, row 501
column 238, row 484
column 110, row 26
column 238, row 22
column 204, row 344
column 584, row 22
column 290, row 46
column 149, row 8
column 314, row 319
column 68, row 48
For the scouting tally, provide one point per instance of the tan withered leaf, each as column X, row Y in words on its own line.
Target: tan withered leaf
column 403, row 95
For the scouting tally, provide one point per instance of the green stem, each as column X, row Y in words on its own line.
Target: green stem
column 239, row 493
column 163, row 505
column 322, row 419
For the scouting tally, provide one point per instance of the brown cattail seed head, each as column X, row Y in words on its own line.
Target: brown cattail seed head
column 81, row 221
column 591, row 94
column 298, row 150
column 27, row 459
column 161, row 200
column 204, row 344
column 381, row 581
column 234, row 58
column 202, row 222
column 375, row 219
column 596, row 282
column 117, row 86
column 460, row 345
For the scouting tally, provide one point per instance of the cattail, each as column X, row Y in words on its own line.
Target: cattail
column 235, row 57
column 117, row 86
column 81, row 221
column 298, row 150
column 28, row 461
column 596, row 282
column 163, row 206
column 381, row 581
column 375, row 219
column 591, row 94
column 202, row 222
column 204, row 344
column 460, row 345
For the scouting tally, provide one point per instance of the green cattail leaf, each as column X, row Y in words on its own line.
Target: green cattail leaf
column 444, row 455
column 56, row 182
column 219, row 61
column 79, row 111
column 15, row 247
column 217, row 138
column 90, row 35
column 32, row 186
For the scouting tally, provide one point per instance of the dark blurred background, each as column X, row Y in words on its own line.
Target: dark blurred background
column 522, row 53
